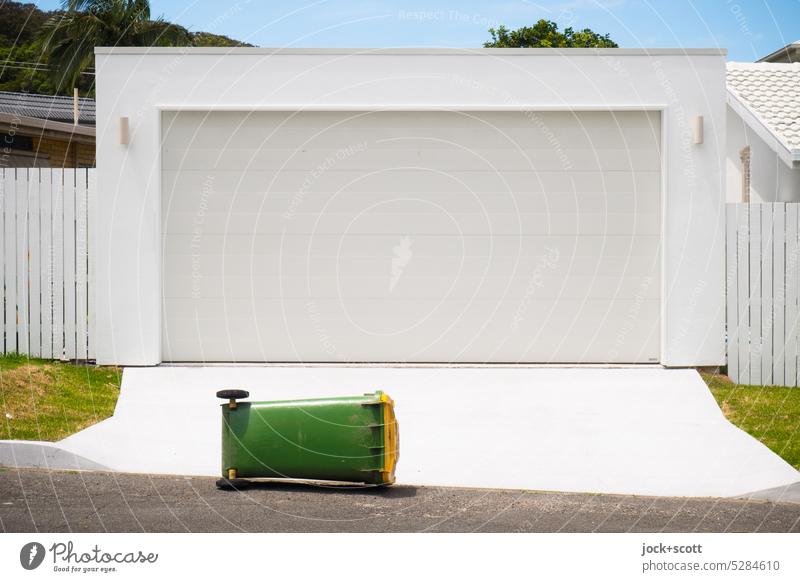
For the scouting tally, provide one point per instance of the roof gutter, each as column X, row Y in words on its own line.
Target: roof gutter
column 48, row 128
column 789, row 155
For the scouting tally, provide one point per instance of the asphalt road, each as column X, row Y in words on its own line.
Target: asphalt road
column 48, row 501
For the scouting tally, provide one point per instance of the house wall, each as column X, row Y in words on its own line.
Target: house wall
column 64, row 154
column 771, row 179
column 47, row 152
column 139, row 85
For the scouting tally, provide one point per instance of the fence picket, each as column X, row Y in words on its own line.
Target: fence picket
column 22, row 260
column 58, row 263
column 731, row 278
column 743, row 289
column 91, row 251
column 766, row 293
column 779, row 291
column 34, row 266
column 46, row 247
column 3, row 257
column 793, row 272
column 10, row 258
column 790, row 340
column 70, row 351
column 756, row 341
column 81, row 279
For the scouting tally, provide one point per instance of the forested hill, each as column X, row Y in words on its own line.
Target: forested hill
column 22, row 67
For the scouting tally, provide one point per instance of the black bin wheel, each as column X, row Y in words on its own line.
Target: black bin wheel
column 232, row 484
column 232, row 394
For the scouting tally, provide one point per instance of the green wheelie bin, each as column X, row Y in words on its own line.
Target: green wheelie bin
column 351, row 439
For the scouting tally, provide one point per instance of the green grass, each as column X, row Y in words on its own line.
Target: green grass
column 45, row 400
column 769, row 413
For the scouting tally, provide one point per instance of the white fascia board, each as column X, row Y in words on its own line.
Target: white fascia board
column 791, row 157
column 409, row 107
column 646, row 52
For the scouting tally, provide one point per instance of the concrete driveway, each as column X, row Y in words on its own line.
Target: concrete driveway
column 642, row 431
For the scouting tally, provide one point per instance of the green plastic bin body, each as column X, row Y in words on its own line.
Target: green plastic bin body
column 336, row 439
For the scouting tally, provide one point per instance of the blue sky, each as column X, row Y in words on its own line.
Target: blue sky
column 747, row 28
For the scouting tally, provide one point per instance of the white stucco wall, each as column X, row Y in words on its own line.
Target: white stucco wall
column 771, row 178
column 140, row 84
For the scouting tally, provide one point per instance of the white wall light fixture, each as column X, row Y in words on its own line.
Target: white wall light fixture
column 124, row 131
column 697, row 129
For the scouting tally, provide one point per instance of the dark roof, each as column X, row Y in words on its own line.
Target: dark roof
column 51, row 107
column 788, row 54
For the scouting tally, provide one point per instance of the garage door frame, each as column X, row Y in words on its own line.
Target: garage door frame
column 661, row 109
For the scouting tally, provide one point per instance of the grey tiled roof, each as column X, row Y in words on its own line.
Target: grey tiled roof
column 54, row 108
column 772, row 92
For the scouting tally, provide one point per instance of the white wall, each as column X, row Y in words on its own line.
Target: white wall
column 139, row 84
column 771, row 179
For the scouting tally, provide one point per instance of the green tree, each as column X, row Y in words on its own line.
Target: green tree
column 68, row 39
column 31, row 75
column 19, row 23
column 545, row 34
column 208, row 39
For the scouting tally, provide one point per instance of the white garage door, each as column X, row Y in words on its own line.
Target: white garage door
column 411, row 237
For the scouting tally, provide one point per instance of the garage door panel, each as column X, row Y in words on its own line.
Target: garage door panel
column 559, row 261
column 366, row 159
column 300, row 247
column 419, row 216
column 371, row 316
column 294, row 247
column 182, row 266
column 381, row 129
column 410, row 286
column 413, row 219
column 274, row 351
column 348, row 139
column 409, row 181
column 217, row 350
column 225, row 121
column 510, row 333
column 375, row 316
column 502, row 237
column 296, row 204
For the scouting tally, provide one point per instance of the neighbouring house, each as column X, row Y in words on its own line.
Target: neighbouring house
column 410, row 205
column 39, row 131
column 788, row 54
column 763, row 139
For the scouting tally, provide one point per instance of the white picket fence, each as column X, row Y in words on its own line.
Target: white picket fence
column 46, row 290
column 763, row 293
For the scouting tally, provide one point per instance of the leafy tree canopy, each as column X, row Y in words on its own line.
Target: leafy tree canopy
column 68, row 39
column 545, row 34
column 52, row 52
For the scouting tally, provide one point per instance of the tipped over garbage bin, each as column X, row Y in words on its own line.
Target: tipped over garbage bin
column 352, row 439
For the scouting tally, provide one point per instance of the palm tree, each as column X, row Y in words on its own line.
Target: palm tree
column 69, row 37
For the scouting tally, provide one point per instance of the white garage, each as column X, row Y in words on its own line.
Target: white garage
column 390, row 236
column 410, row 205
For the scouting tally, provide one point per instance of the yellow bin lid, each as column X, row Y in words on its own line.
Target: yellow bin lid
column 391, row 440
